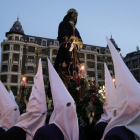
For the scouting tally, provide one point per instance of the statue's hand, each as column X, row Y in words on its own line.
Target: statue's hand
column 66, row 38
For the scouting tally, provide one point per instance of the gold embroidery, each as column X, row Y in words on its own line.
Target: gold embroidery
column 64, row 72
column 75, row 75
column 77, row 42
column 64, row 64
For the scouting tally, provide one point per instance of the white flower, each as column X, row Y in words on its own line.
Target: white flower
column 77, row 88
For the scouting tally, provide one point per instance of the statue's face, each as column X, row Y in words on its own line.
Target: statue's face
column 74, row 16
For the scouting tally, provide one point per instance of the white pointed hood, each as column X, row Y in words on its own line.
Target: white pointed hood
column 63, row 116
column 36, row 110
column 128, row 96
column 110, row 105
column 9, row 109
column 12, row 95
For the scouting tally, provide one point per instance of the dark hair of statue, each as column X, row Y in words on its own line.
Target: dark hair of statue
column 67, row 18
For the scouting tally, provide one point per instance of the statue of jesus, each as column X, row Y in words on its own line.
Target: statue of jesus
column 66, row 63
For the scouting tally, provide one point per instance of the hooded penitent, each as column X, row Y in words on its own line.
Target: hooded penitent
column 110, row 104
column 64, row 115
column 36, row 110
column 128, row 96
column 8, row 108
column 12, row 95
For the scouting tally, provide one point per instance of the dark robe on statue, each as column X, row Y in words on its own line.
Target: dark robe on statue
column 2, row 132
column 52, row 132
column 66, row 61
column 98, row 130
column 14, row 133
column 119, row 133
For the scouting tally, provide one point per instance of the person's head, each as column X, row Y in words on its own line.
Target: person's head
column 71, row 16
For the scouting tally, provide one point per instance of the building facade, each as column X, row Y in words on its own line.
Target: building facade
column 20, row 54
column 132, row 60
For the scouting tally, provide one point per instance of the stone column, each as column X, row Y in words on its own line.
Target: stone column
column 18, row 91
column 9, row 78
column 51, row 54
column 10, row 58
column 1, row 57
column 11, row 47
column 96, row 75
column 36, row 60
column 9, row 88
column 10, row 62
column 19, row 79
column 20, row 59
column 20, row 62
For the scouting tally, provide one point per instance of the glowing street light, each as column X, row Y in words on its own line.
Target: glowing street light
column 82, row 70
column 23, row 78
column 113, row 79
column 82, row 67
column 23, row 82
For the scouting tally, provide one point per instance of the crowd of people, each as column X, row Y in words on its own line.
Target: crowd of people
column 120, row 120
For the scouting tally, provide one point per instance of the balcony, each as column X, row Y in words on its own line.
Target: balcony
column 30, row 71
column 31, row 60
column 5, row 62
column 15, row 59
column 30, row 82
column 44, row 62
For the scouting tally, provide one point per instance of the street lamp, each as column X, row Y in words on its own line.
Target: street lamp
column 82, row 70
column 23, row 83
column 82, row 75
column 113, row 79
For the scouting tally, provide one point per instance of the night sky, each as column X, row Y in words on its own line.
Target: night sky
column 96, row 19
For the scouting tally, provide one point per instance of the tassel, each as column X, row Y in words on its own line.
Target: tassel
column 89, row 115
column 93, row 114
column 90, row 120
